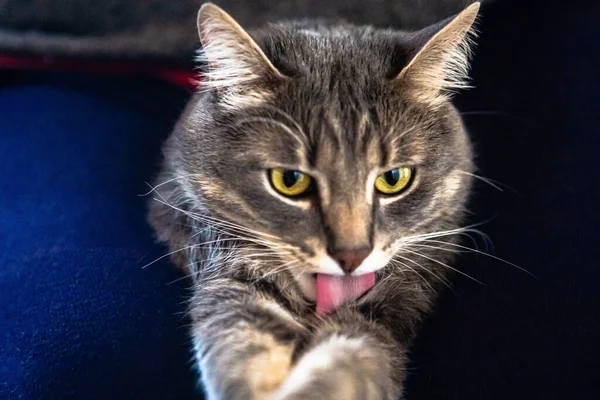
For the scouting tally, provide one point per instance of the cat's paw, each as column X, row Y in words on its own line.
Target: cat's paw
column 339, row 367
column 245, row 373
column 267, row 371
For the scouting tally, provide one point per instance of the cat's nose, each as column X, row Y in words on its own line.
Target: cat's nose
column 349, row 260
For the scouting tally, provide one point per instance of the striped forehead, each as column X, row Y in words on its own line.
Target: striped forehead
column 346, row 141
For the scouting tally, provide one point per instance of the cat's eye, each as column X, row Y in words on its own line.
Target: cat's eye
column 394, row 181
column 289, row 182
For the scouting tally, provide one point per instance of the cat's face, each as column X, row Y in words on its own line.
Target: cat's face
column 334, row 153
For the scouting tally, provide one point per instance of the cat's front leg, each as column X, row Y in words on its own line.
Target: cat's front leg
column 350, row 358
column 244, row 340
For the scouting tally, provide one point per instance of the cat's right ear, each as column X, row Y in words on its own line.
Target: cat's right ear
column 230, row 57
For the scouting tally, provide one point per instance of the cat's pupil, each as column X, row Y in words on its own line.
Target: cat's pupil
column 290, row 178
column 392, row 176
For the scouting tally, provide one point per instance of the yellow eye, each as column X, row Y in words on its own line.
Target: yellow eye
column 289, row 182
column 394, row 180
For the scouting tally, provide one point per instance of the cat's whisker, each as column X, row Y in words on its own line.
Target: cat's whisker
column 207, row 244
column 445, row 265
column 391, row 277
column 486, row 240
column 456, row 231
column 261, row 239
column 214, row 220
column 260, row 263
column 435, row 234
column 418, row 244
column 415, row 271
column 441, row 279
column 416, row 238
column 168, row 254
column 200, row 217
column 265, row 274
column 191, row 275
column 242, row 251
column 483, row 179
column 188, row 276
column 201, row 231
column 285, row 266
column 469, row 249
column 275, row 250
column 264, row 238
column 220, row 223
column 155, row 187
column 488, row 181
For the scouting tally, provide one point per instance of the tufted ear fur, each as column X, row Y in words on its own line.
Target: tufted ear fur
column 231, row 56
column 441, row 65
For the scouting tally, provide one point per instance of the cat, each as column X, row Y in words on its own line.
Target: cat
column 315, row 190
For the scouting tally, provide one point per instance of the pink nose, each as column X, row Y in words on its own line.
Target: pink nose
column 349, row 260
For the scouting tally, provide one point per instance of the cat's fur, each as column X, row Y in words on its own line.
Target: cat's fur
column 342, row 103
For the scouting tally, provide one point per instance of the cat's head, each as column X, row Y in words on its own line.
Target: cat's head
column 334, row 146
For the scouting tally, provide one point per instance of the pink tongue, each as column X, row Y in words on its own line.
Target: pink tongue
column 334, row 290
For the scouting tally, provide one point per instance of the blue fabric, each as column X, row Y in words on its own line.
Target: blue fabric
column 80, row 318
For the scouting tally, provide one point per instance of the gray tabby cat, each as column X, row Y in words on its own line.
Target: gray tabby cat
column 315, row 192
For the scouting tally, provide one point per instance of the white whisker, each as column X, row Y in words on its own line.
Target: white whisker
column 260, row 237
column 441, row 279
column 153, row 188
column 418, row 244
column 483, row 253
column 449, row 232
column 415, row 271
column 482, row 179
column 445, row 265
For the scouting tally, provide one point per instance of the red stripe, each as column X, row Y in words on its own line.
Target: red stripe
column 182, row 77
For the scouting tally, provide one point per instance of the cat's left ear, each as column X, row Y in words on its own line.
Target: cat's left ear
column 441, row 64
column 232, row 58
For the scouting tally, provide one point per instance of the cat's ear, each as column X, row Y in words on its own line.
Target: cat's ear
column 441, row 65
column 230, row 56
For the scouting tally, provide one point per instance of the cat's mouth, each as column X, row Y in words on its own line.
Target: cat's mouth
column 331, row 291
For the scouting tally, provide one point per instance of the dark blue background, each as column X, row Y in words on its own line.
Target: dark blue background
column 80, row 318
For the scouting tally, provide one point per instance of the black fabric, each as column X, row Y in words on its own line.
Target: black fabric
column 165, row 30
column 534, row 118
